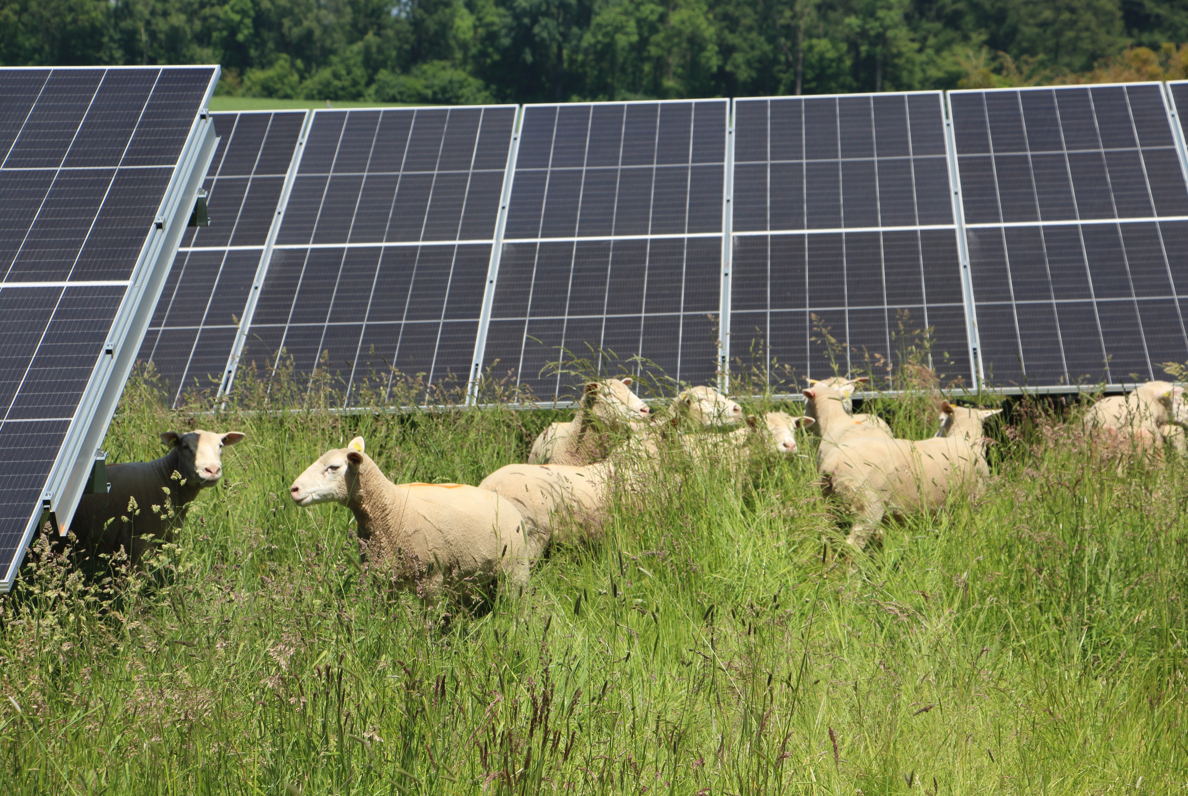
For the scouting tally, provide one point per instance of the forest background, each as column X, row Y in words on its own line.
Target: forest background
column 476, row 51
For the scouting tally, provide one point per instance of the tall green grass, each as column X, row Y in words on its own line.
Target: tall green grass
column 720, row 640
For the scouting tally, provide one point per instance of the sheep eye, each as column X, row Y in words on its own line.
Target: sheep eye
column 333, row 467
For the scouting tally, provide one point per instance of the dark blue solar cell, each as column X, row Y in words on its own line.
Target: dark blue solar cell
column 277, row 153
column 338, row 208
column 570, row 137
column 392, row 136
column 856, row 127
column 1107, row 261
column 859, row 199
column 785, row 197
column 1083, row 354
column 988, row 265
column 425, row 140
column 259, row 211
column 751, row 131
column 1166, row 181
column 1042, row 121
column 241, row 145
column 357, row 142
column 482, row 205
column 1066, row 262
column 606, row 135
column 826, row 271
column 1006, row 122
column 674, row 135
column 979, row 190
column 785, row 129
column 709, row 132
column 321, row 144
column 927, row 124
column 864, row 270
column 1053, row 187
column 1077, row 120
column 536, row 137
column 444, row 216
column 460, row 139
column 56, row 236
column 1016, row 189
column 639, row 134
column 890, row 127
column 1113, row 117
column 1123, row 337
column 904, row 268
column 897, row 194
column 1128, row 184
column 971, row 132
column 823, row 194
column 22, row 193
column 820, row 129
column 495, row 135
column 942, row 268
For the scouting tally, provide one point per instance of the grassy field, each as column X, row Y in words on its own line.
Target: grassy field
column 718, row 641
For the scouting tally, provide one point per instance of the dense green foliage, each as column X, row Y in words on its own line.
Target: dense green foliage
column 465, row 51
column 1029, row 642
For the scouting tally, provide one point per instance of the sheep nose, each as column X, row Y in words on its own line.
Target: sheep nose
column 645, row 411
column 790, row 447
column 737, row 409
column 293, row 490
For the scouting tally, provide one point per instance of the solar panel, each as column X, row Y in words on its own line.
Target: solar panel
column 844, row 244
column 98, row 173
column 194, row 327
column 612, row 244
column 1075, row 207
column 380, row 264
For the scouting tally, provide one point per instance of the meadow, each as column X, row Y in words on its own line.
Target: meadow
column 720, row 640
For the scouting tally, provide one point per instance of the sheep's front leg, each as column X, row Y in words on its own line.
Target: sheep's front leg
column 868, row 516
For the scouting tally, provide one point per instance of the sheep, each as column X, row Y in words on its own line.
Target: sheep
column 1137, row 416
column 606, row 406
column 560, row 504
column 1175, row 436
column 435, row 539
column 701, row 408
column 964, row 422
column 875, row 475
column 776, row 432
column 148, row 501
column 847, row 386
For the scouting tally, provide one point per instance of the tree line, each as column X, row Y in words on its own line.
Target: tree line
column 470, row 51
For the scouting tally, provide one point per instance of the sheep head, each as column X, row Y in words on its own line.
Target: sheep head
column 963, row 421
column 707, row 407
column 781, row 430
column 331, row 478
column 613, row 404
column 200, row 454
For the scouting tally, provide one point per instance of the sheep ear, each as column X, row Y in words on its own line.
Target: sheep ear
column 804, row 422
column 810, row 394
column 946, row 407
column 232, row 437
column 991, row 412
column 861, row 380
column 356, row 445
column 813, row 382
column 170, row 438
column 354, row 457
column 752, row 421
column 626, row 380
column 847, row 391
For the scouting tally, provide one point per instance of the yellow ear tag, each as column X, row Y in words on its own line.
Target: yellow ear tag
column 1168, row 394
column 356, row 444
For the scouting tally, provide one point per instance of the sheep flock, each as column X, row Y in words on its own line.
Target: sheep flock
column 446, row 540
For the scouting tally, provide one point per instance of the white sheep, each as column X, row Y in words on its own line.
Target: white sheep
column 1136, row 417
column 606, row 406
column 702, row 407
column 560, row 503
column 775, row 432
column 433, row 538
column 847, row 386
column 148, row 501
column 875, row 475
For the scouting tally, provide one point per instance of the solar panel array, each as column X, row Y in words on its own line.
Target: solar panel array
column 1076, row 217
column 853, row 225
column 93, row 170
column 197, row 318
column 379, row 269
column 844, row 242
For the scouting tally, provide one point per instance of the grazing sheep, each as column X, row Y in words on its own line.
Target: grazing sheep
column 1137, row 416
column 560, row 504
column 148, row 500
column 606, row 406
column 776, row 432
column 876, row 476
column 964, row 422
column 703, row 407
column 847, row 386
column 433, row 537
